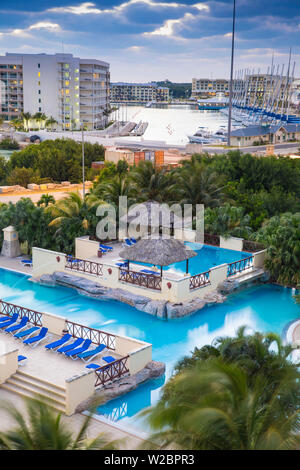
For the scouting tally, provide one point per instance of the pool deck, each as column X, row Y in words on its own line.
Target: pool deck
column 47, row 365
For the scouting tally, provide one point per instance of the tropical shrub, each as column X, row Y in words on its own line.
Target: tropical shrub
column 281, row 236
column 227, row 221
column 238, row 394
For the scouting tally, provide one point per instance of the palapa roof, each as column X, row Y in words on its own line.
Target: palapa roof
column 152, row 213
column 158, row 251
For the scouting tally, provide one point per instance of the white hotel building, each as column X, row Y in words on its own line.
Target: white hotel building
column 74, row 91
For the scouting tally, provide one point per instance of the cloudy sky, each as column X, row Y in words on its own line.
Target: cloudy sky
column 155, row 39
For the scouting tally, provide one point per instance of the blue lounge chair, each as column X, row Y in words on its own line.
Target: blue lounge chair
column 133, row 240
column 122, row 265
column 26, row 261
column 107, row 248
column 9, row 322
column 3, row 319
column 24, row 333
column 90, row 355
column 109, row 359
column 128, row 242
column 18, row 327
column 73, row 353
column 35, row 340
column 148, row 271
column 93, row 366
column 22, row 360
column 59, row 342
column 71, row 346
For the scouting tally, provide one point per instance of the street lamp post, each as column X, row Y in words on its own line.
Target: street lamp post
column 83, row 162
column 231, row 76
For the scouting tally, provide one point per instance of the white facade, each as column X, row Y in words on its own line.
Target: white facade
column 74, row 91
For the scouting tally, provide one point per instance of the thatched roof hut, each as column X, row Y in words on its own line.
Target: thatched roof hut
column 158, row 251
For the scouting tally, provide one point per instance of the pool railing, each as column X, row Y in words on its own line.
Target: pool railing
column 239, row 266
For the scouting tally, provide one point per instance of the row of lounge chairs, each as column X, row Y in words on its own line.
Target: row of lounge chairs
column 78, row 349
column 67, row 345
column 10, row 325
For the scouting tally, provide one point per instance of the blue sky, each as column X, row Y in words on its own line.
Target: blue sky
column 155, row 39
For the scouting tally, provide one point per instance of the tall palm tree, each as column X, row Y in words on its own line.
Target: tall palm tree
column 111, row 190
column 50, row 122
column 43, row 429
column 26, row 119
column 213, row 407
column 198, row 184
column 39, row 119
column 151, row 183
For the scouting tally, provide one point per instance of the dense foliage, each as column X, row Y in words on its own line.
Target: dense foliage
column 54, row 160
column 240, row 393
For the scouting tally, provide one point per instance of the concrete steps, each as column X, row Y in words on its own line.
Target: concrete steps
column 28, row 386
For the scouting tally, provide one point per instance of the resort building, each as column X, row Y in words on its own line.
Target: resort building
column 138, row 93
column 270, row 134
column 205, row 87
column 73, row 91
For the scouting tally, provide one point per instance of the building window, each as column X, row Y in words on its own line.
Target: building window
column 39, row 66
column 39, row 92
column 40, row 109
column 39, row 74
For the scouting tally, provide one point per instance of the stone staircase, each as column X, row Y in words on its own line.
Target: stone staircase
column 28, row 386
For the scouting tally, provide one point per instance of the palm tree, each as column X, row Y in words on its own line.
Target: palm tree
column 111, row 190
column 26, row 119
column 213, row 407
column 151, row 183
column 46, row 200
column 50, row 122
column 73, row 216
column 43, row 429
column 39, row 119
column 198, row 184
column 72, row 207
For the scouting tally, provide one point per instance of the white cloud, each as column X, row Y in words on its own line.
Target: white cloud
column 169, row 27
column 47, row 26
column 137, row 49
column 88, row 8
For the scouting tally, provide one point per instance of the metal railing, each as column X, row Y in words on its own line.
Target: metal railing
column 8, row 309
column 83, row 266
column 96, row 336
column 200, row 280
column 112, row 371
column 213, row 240
column 149, row 281
column 252, row 247
column 240, row 266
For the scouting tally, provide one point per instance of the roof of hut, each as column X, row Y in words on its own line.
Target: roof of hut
column 158, row 251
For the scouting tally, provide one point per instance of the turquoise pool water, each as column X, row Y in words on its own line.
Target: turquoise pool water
column 263, row 307
column 207, row 257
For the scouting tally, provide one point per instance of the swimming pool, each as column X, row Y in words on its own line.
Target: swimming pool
column 207, row 257
column 261, row 307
